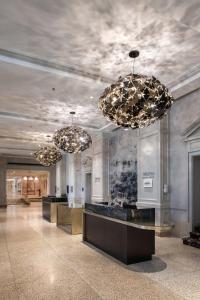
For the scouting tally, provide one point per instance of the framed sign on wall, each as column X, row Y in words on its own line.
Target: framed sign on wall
column 147, row 182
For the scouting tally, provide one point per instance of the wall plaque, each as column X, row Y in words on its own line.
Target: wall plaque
column 148, row 183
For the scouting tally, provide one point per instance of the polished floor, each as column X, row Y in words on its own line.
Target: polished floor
column 40, row 261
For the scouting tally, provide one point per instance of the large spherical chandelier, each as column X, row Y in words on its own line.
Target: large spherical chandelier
column 72, row 139
column 48, row 155
column 135, row 100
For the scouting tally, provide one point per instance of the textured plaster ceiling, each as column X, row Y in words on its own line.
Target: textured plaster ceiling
column 88, row 41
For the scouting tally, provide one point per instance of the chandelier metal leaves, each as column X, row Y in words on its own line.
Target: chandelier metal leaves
column 72, row 139
column 135, row 100
column 48, row 155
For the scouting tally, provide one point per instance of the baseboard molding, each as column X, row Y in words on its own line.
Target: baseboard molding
column 163, row 231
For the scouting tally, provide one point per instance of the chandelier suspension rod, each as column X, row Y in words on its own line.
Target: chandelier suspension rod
column 133, row 54
column 72, row 113
column 133, row 65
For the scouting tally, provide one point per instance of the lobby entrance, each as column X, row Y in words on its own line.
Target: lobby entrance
column 26, row 185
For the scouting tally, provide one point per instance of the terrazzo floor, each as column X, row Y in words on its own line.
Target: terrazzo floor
column 40, row 261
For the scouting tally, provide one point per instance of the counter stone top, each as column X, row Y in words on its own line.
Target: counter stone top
column 133, row 223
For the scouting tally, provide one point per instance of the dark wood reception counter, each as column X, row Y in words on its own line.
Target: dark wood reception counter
column 129, row 241
column 49, row 207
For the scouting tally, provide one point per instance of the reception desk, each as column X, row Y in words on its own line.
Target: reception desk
column 70, row 219
column 128, row 241
column 49, row 207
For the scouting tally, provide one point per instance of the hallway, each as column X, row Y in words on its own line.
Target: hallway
column 39, row 261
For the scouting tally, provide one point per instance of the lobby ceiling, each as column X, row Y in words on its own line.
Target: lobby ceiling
column 58, row 56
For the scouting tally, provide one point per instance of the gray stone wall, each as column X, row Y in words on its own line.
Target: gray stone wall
column 184, row 113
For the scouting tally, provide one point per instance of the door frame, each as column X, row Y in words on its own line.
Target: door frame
column 191, row 155
column 86, row 173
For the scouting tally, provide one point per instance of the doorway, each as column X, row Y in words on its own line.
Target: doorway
column 195, row 191
column 88, row 187
column 26, row 184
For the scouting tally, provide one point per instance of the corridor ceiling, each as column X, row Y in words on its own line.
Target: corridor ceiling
column 58, row 55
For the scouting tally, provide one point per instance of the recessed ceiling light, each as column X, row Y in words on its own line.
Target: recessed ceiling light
column 91, row 97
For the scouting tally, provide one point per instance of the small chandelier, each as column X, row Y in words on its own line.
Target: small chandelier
column 135, row 100
column 48, row 155
column 72, row 139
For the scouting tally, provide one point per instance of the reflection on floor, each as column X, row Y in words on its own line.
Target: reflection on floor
column 40, row 261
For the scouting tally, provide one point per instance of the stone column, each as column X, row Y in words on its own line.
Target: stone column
column 61, row 177
column 51, row 189
column 86, row 167
column 100, row 160
column 73, row 175
column 3, row 166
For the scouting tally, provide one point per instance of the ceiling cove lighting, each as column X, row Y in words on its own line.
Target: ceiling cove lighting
column 135, row 100
column 72, row 139
column 48, row 155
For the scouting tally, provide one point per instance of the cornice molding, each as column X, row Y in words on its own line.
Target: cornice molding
column 188, row 132
column 50, row 67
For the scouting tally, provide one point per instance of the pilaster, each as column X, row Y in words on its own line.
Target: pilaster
column 100, row 186
column 153, row 170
